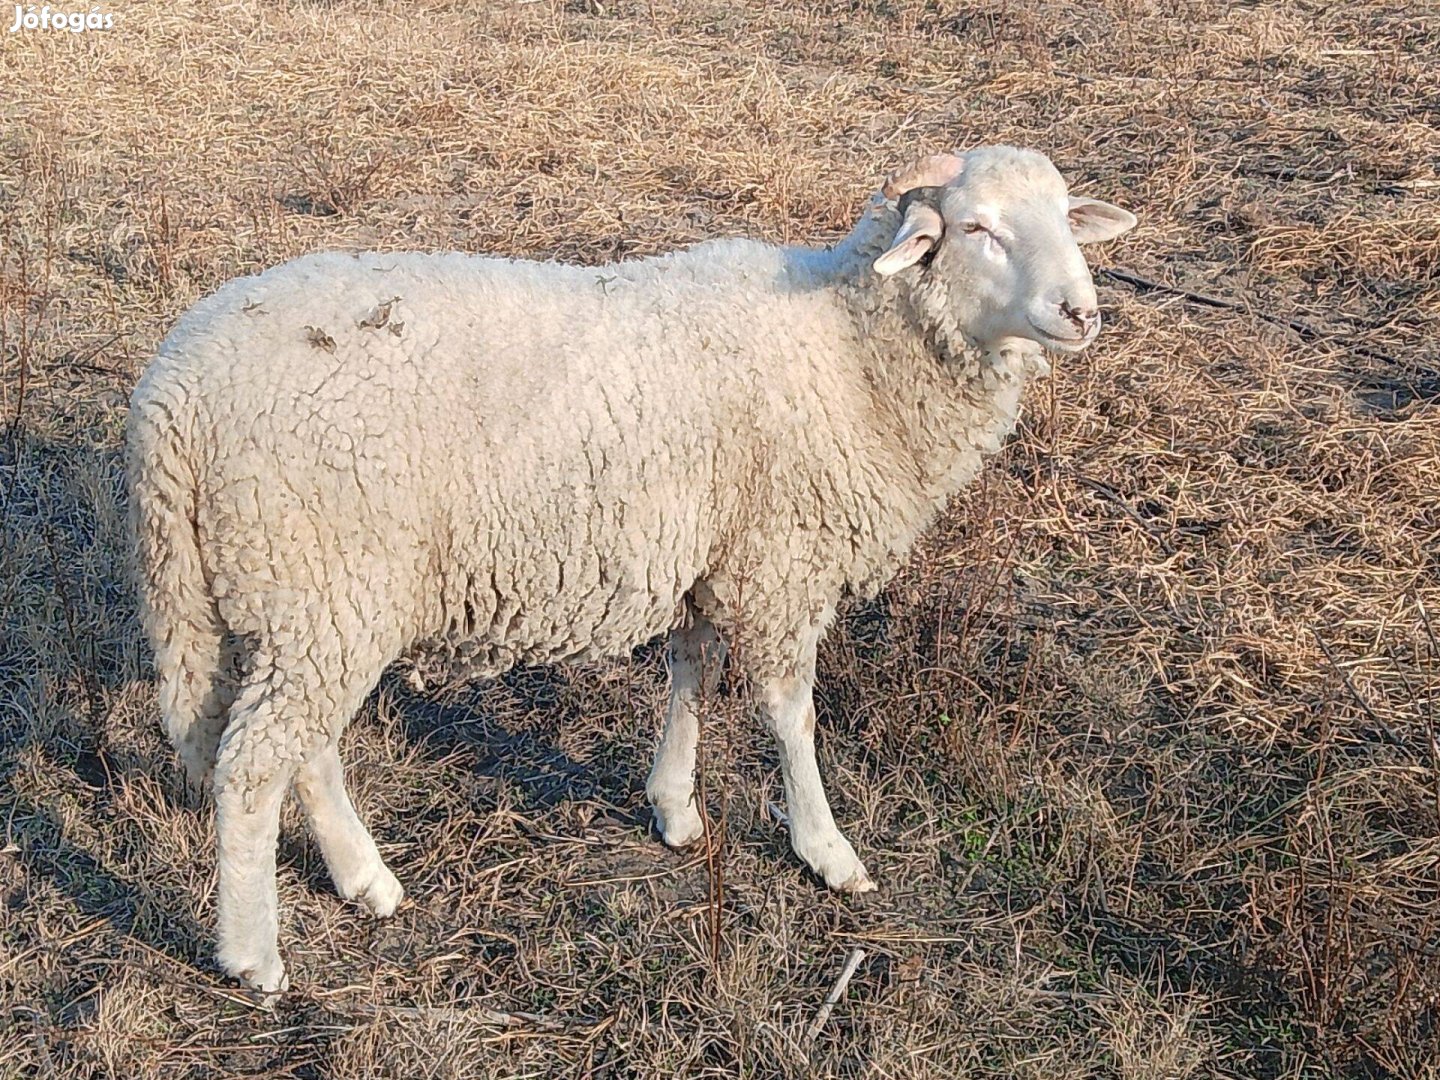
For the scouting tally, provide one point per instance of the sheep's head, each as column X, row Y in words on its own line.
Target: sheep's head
column 993, row 237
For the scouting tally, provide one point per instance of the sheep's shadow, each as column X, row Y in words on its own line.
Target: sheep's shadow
column 63, row 538
column 507, row 728
column 68, row 658
column 45, row 851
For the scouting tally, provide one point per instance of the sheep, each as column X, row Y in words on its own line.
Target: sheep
column 350, row 457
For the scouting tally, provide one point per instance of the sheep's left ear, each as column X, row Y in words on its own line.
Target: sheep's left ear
column 1093, row 221
column 920, row 230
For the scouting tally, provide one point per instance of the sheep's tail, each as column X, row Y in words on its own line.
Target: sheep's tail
column 193, row 651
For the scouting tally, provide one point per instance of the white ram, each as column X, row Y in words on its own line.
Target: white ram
column 349, row 456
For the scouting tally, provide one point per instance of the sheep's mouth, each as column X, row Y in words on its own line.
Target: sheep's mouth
column 1059, row 343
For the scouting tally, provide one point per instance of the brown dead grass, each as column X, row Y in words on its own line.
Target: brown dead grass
column 1142, row 745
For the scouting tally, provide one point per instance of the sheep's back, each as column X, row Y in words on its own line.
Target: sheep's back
column 489, row 453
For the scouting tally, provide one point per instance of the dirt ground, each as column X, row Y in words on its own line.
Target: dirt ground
column 1142, row 745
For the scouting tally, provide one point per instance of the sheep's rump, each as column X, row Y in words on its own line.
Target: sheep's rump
column 443, row 449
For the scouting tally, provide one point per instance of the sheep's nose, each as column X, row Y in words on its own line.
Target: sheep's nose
column 1084, row 317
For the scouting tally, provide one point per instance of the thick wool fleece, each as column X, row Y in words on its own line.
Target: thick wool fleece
column 350, row 456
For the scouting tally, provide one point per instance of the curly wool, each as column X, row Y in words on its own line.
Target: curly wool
column 352, row 456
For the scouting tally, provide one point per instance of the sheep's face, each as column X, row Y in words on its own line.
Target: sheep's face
column 997, row 243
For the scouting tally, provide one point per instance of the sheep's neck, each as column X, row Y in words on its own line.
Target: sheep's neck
column 936, row 402
column 940, row 401
column 950, row 400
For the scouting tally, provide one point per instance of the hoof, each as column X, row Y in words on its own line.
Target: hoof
column 378, row 891
column 835, row 861
column 266, row 975
column 857, row 883
column 680, row 830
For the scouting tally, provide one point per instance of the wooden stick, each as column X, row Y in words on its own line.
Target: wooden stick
column 1305, row 330
column 1381, row 726
column 831, row 999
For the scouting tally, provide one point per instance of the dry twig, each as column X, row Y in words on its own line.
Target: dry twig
column 852, row 962
column 1304, row 329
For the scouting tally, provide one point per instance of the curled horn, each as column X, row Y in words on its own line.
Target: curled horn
column 937, row 170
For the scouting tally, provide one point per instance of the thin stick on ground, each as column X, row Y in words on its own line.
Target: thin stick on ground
column 852, row 962
column 1304, row 329
column 714, row 865
column 1380, row 725
column 714, row 834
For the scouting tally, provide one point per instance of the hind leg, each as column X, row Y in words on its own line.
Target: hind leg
column 350, row 854
column 285, row 721
column 202, row 671
column 252, row 773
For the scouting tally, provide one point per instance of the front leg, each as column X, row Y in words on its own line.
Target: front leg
column 695, row 656
column 788, row 703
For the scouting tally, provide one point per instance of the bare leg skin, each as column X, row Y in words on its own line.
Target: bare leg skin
column 789, row 707
column 355, row 865
column 696, row 655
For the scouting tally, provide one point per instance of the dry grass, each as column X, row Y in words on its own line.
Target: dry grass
column 1143, row 743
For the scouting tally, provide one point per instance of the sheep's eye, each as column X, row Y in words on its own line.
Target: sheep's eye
column 972, row 227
